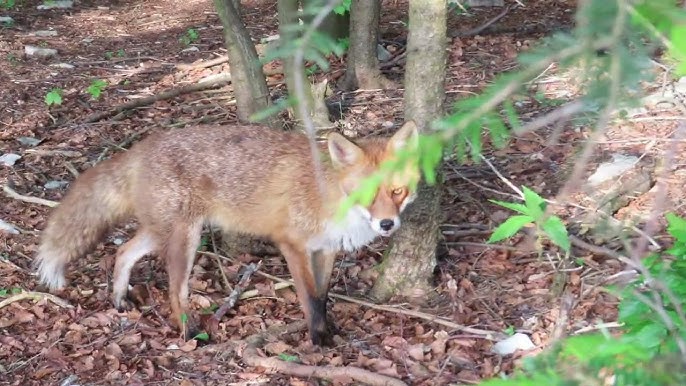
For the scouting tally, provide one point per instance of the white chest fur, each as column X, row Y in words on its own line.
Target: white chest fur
column 350, row 233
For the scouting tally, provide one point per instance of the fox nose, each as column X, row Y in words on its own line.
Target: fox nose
column 386, row 224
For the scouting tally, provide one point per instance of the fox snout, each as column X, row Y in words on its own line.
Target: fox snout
column 386, row 226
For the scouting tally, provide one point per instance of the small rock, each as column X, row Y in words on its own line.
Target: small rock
column 56, row 4
column 54, row 184
column 101, row 8
column 38, row 51
column 516, row 342
column 87, row 40
column 8, row 228
column 6, row 20
column 191, row 49
column 29, row 141
column 45, row 33
column 610, row 170
column 118, row 241
column 9, row 159
column 382, row 53
column 388, row 124
column 63, row 65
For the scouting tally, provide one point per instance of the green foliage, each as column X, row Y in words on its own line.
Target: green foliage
column 53, row 97
column 190, row 37
column 343, row 7
column 96, row 88
column 184, row 319
column 510, row 330
column 532, row 212
column 646, row 353
column 288, row 358
column 7, row 4
column 120, row 54
column 202, row 336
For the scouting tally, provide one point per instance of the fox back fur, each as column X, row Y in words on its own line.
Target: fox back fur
column 249, row 179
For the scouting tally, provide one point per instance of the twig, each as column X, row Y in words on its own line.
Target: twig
column 174, row 92
column 35, row 296
column 298, row 63
column 51, row 152
column 253, row 292
column 11, row 193
column 237, row 290
column 252, row 357
column 479, row 29
column 486, row 334
column 600, row 326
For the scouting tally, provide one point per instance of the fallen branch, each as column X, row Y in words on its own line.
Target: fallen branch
column 35, row 296
column 486, row 334
column 237, row 290
column 11, row 193
column 252, row 357
column 481, row 28
column 174, row 92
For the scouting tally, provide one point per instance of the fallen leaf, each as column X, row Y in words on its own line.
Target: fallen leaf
column 276, row 348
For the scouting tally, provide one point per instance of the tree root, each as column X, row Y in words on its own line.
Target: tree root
column 11, row 193
column 174, row 92
column 35, row 296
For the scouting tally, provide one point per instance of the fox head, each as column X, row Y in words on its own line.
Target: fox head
column 355, row 162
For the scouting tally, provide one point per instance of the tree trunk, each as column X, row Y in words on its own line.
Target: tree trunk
column 408, row 268
column 252, row 95
column 247, row 77
column 288, row 16
column 362, row 70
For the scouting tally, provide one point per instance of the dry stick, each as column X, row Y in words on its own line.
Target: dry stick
column 252, row 357
column 237, row 290
column 35, row 296
column 174, row 92
column 11, row 193
column 486, row 334
column 479, row 29
column 298, row 63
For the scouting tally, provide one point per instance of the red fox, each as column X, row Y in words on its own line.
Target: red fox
column 249, row 179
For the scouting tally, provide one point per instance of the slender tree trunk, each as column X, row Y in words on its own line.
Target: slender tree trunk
column 247, row 77
column 288, row 17
column 362, row 69
column 408, row 268
column 252, row 95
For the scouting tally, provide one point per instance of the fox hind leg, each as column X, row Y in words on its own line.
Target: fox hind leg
column 128, row 255
column 178, row 253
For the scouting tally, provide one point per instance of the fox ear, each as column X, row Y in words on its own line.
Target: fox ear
column 343, row 152
column 408, row 135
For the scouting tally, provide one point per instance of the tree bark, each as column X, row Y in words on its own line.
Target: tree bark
column 408, row 268
column 249, row 83
column 288, row 16
column 362, row 70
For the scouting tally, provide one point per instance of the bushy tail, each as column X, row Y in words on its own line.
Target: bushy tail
column 97, row 199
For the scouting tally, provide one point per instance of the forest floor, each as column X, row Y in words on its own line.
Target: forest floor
column 138, row 48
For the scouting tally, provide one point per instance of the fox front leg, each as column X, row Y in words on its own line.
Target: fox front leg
column 311, row 274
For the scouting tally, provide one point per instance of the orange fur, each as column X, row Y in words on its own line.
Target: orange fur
column 249, row 179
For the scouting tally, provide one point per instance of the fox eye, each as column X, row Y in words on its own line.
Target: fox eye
column 398, row 191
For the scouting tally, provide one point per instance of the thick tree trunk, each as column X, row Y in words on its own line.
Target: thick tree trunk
column 247, row 77
column 408, row 268
column 288, row 16
column 362, row 70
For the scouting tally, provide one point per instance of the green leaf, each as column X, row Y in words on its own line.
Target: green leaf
column 511, row 226
column 3, row 292
column 510, row 330
column 54, row 97
column 555, row 229
column 16, row 290
column 202, row 336
column 676, row 227
column 184, row 319
column 96, row 87
column 534, row 203
column 521, row 208
column 288, row 358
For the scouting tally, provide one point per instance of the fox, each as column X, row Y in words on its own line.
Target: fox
column 242, row 178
